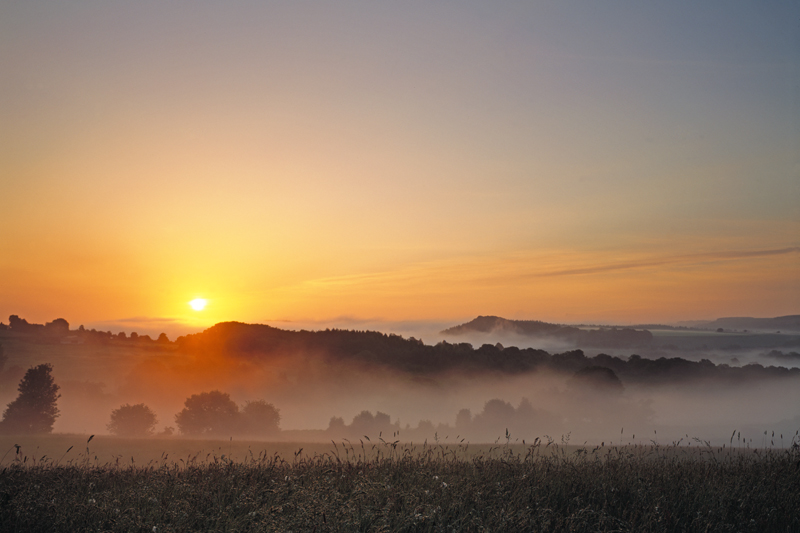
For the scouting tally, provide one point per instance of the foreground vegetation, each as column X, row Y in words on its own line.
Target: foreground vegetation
column 392, row 487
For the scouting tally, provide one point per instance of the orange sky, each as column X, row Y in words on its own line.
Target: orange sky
column 302, row 162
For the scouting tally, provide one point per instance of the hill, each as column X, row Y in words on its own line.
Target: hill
column 365, row 349
column 780, row 323
column 602, row 337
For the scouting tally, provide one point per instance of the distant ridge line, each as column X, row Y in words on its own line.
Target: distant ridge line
column 603, row 337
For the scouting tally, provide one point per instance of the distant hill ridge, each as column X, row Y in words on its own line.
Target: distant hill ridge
column 611, row 337
column 487, row 324
column 782, row 323
column 370, row 349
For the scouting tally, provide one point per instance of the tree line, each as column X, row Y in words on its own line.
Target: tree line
column 215, row 414
column 412, row 356
column 206, row 414
column 58, row 331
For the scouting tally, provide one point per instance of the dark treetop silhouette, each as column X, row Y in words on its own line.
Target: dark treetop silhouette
column 132, row 421
column 411, row 356
column 34, row 410
column 214, row 413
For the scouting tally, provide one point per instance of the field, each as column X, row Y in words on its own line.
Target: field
column 543, row 486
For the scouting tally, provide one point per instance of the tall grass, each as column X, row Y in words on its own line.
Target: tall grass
column 388, row 486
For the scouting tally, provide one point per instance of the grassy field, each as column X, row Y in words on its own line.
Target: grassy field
column 105, row 450
column 387, row 487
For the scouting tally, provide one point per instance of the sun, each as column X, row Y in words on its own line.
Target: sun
column 198, row 304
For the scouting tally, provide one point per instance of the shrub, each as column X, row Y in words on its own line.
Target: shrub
column 260, row 418
column 132, row 421
column 208, row 413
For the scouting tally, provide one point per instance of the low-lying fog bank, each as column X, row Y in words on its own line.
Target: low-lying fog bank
column 334, row 384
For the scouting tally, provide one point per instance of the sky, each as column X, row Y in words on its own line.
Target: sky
column 341, row 162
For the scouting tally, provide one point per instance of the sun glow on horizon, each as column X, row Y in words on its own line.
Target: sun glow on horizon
column 198, row 304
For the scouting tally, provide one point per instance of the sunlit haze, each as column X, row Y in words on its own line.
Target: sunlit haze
column 329, row 163
column 297, row 265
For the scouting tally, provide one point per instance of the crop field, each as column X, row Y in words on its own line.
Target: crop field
column 386, row 486
column 105, row 450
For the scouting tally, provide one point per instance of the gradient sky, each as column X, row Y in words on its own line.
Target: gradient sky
column 564, row 161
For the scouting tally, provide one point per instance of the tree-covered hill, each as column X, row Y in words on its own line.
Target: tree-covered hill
column 412, row 356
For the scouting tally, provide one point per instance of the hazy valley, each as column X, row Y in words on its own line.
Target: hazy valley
column 639, row 385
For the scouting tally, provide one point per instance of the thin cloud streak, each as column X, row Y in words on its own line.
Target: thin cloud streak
column 412, row 273
column 711, row 256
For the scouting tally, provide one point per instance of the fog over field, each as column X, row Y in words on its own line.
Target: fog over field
column 388, row 266
column 455, row 218
column 323, row 381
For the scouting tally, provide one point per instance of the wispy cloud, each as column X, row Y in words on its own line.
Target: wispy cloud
column 534, row 265
column 662, row 261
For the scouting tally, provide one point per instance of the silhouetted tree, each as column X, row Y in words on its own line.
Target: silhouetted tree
column 337, row 425
column 496, row 417
column 260, row 418
column 163, row 338
column 596, row 378
column 382, row 421
column 132, row 421
column 498, row 409
column 363, row 422
column 208, row 413
column 34, row 410
column 58, row 327
column 17, row 324
column 463, row 419
column 426, row 427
